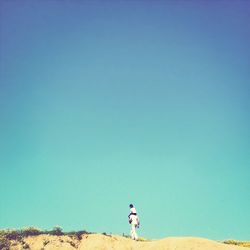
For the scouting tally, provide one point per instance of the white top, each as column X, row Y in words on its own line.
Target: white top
column 134, row 219
column 133, row 210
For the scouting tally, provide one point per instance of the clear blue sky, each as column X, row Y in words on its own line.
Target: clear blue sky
column 103, row 104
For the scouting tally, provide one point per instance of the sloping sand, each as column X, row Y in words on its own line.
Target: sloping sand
column 104, row 242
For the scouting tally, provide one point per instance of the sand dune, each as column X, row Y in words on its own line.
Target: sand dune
column 106, row 242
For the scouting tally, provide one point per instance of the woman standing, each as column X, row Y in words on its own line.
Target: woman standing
column 134, row 221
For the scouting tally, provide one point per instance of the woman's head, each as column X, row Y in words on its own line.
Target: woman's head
column 131, row 205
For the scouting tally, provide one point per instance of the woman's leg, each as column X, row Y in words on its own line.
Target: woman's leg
column 133, row 232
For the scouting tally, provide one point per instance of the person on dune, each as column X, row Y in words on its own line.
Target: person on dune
column 134, row 221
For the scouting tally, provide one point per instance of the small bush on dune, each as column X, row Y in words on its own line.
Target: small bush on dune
column 237, row 243
column 245, row 244
column 45, row 242
column 56, row 231
column 125, row 235
column 72, row 244
column 31, row 231
column 108, row 235
column 142, row 239
column 230, row 242
column 80, row 233
column 77, row 234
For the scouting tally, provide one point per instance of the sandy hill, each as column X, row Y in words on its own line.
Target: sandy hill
column 109, row 242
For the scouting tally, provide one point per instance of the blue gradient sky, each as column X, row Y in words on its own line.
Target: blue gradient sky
column 107, row 103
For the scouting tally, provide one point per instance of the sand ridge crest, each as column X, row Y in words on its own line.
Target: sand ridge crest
column 113, row 242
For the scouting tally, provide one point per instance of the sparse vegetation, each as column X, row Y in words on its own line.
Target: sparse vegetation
column 45, row 242
column 109, row 235
column 237, row 243
column 72, row 243
column 11, row 237
column 142, row 239
column 125, row 235
column 56, row 231
column 77, row 234
column 26, row 246
column 19, row 234
column 4, row 243
column 31, row 231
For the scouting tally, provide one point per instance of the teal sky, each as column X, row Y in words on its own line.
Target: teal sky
column 103, row 104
